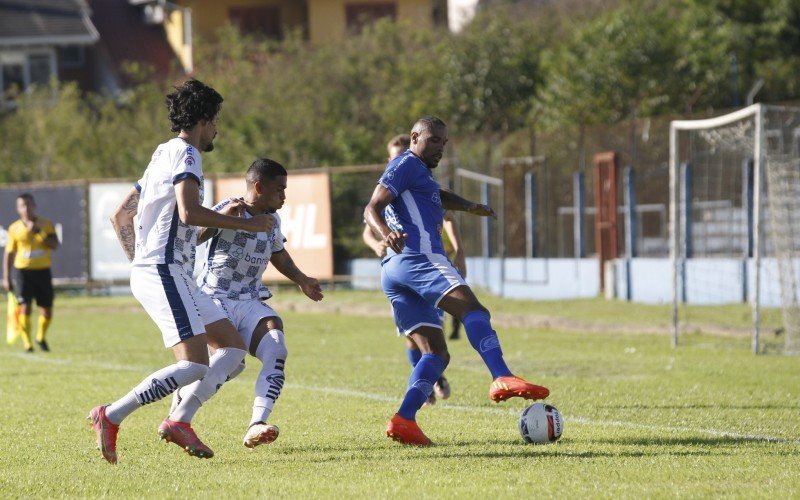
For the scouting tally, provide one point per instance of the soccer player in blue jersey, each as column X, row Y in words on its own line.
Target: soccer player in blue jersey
column 406, row 210
column 441, row 389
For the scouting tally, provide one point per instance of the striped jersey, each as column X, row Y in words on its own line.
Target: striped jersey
column 237, row 260
column 417, row 206
column 161, row 237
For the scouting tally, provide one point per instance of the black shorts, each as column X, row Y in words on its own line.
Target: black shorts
column 33, row 284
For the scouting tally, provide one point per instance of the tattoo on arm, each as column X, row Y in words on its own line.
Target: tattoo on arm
column 125, row 233
column 127, row 239
column 132, row 204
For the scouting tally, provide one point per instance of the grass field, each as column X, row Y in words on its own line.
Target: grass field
column 642, row 419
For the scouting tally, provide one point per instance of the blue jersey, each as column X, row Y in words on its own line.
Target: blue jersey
column 417, row 207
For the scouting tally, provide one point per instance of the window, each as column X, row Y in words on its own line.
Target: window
column 20, row 70
column 13, row 78
column 71, row 57
column 359, row 15
column 40, row 68
column 262, row 20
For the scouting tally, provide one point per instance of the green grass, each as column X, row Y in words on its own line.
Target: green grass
column 642, row 419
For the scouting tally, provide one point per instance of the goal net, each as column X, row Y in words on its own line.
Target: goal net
column 734, row 226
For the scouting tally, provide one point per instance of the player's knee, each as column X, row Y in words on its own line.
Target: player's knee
column 476, row 312
column 190, row 372
column 236, row 371
column 273, row 345
column 444, row 356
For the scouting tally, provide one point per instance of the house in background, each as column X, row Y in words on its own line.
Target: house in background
column 320, row 21
column 91, row 41
column 40, row 40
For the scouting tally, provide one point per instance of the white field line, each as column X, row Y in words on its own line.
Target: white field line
column 444, row 406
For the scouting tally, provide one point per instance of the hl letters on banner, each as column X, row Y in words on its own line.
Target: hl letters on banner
column 305, row 221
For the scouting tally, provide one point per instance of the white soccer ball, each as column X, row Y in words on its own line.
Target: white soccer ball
column 541, row 423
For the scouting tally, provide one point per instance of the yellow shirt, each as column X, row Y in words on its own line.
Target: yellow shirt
column 31, row 251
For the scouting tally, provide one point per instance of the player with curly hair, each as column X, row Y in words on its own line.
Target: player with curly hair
column 156, row 224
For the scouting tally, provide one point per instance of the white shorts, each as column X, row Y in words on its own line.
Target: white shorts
column 174, row 301
column 245, row 315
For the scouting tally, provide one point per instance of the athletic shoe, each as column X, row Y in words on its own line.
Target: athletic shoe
column 29, row 349
column 508, row 387
column 442, row 388
column 106, row 433
column 430, row 401
column 183, row 435
column 43, row 346
column 260, row 433
column 406, row 431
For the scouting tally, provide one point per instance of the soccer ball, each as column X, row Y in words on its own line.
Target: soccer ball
column 541, row 423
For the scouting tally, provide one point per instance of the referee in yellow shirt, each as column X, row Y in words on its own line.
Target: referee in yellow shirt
column 26, row 268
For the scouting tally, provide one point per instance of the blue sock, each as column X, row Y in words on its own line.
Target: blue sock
column 420, row 384
column 485, row 341
column 414, row 355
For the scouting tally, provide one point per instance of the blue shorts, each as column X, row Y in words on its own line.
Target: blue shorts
column 414, row 284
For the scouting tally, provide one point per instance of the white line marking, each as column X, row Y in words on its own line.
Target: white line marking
column 443, row 406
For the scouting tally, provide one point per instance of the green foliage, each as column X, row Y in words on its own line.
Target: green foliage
column 511, row 72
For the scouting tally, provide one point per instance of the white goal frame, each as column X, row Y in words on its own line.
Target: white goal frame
column 756, row 111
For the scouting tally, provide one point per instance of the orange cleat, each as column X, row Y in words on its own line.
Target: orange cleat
column 406, row 431
column 260, row 433
column 503, row 388
column 106, row 433
column 183, row 435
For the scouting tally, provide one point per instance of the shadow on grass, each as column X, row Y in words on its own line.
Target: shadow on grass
column 787, row 406
column 696, row 441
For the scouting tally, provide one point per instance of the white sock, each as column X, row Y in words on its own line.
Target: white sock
column 224, row 362
column 272, row 352
column 156, row 386
column 176, row 396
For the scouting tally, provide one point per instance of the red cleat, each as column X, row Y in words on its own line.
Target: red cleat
column 106, row 433
column 503, row 388
column 406, row 431
column 183, row 435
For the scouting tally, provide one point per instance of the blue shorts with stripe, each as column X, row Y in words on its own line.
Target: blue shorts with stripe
column 414, row 284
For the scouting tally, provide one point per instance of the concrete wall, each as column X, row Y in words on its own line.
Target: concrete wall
column 708, row 281
column 518, row 278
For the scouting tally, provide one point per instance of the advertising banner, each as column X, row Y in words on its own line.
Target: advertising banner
column 305, row 221
column 64, row 206
column 108, row 260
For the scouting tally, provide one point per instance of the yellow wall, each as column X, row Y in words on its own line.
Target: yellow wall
column 326, row 18
column 209, row 15
column 173, row 25
column 327, row 21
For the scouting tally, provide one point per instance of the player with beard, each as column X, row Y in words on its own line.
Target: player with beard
column 156, row 224
column 406, row 210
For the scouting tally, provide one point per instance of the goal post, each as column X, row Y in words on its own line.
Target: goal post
column 729, row 228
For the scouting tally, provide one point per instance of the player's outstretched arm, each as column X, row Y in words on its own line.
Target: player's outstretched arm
column 373, row 214
column 122, row 220
column 234, row 207
column 191, row 212
column 452, row 201
column 285, row 265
